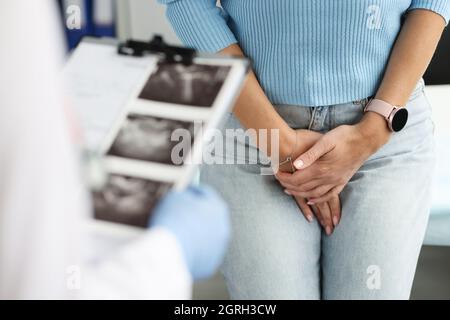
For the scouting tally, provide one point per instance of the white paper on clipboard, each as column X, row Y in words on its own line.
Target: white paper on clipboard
column 100, row 97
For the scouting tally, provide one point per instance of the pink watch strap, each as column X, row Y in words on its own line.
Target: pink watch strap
column 381, row 107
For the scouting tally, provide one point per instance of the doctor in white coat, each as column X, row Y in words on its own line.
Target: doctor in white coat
column 43, row 199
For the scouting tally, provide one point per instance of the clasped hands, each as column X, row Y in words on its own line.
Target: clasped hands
column 325, row 163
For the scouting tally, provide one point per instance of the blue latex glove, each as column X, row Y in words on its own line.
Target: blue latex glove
column 199, row 219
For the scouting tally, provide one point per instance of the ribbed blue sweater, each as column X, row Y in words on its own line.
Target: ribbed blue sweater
column 304, row 52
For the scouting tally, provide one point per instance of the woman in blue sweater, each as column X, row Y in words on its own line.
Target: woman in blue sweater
column 336, row 80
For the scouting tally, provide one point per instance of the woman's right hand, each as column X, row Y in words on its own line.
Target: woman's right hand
column 328, row 213
column 293, row 144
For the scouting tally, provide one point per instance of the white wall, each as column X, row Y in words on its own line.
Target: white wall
column 140, row 19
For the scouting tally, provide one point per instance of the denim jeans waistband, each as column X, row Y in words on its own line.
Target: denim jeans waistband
column 324, row 118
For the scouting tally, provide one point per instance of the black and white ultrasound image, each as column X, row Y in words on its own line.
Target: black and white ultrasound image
column 192, row 85
column 149, row 138
column 128, row 200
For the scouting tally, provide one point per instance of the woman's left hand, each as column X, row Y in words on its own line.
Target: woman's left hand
column 325, row 169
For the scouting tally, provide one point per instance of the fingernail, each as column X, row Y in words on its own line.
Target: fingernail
column 328, row 230
column 310, row 203
column 309, row 218
column 335, row 221
column 298, row 164
column 287, row 192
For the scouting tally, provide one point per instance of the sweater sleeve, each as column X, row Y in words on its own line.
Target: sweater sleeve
column 441, row 7
column 200, row 24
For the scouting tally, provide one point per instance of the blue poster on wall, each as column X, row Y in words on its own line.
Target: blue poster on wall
column 87, row 17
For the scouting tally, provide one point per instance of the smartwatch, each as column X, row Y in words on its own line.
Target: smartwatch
column 396, row 117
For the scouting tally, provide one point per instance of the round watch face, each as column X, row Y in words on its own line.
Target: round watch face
column 399, row 119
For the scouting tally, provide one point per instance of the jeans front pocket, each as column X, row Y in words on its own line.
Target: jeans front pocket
column 236, row 145
column 297, row 117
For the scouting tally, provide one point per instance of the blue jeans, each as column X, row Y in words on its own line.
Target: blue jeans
column 372, row 254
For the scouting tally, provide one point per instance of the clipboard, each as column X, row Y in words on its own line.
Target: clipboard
column 131, row 97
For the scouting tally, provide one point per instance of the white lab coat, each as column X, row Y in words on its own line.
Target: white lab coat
column 42, row 197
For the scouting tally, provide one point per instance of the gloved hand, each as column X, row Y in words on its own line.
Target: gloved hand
column 199, row 219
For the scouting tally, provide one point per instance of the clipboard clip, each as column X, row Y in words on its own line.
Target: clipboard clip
column 171, row 54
